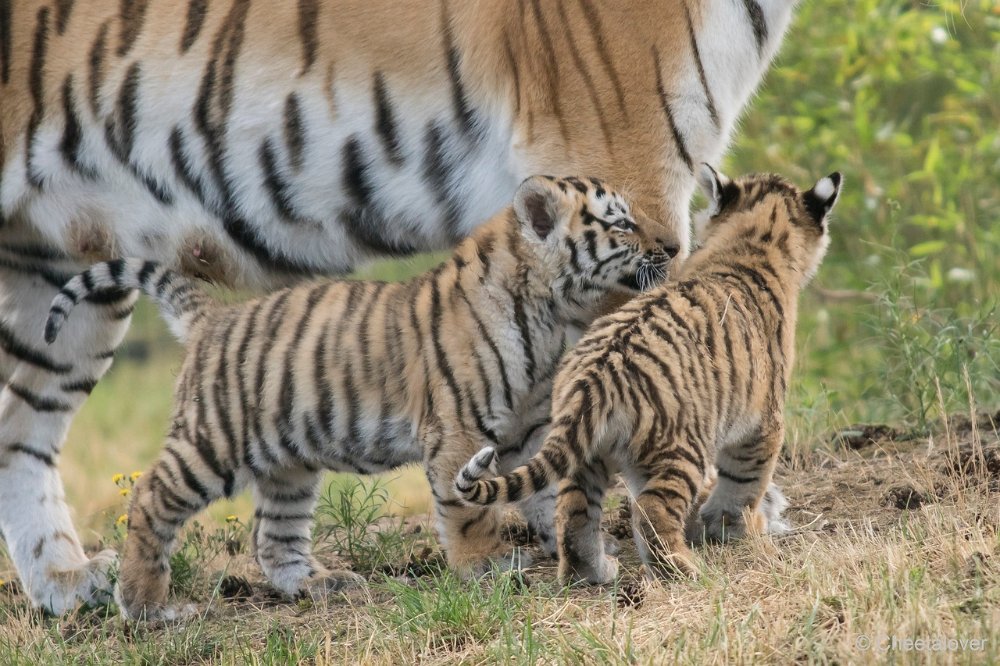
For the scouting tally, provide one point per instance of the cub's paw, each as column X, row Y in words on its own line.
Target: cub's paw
column 601, row 572
column 331, row 583
column 680, row 564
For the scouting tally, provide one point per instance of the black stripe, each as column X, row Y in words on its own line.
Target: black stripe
column 354, row 178
column 294, row 131
column 192, row 25
column 119, row 130
column 463, row 111
column 23, row 352
column 37, row 402
column 63, row 9
column 38, row 455
column 36, row 84
column 696, row 53
column 737, row 479
column 521, row 320
column 588, row 81
column 190, row 479
column 512, row 64
column 668, row 112
column 551, row 68
column 96, row 64
column 441, row 357
column 132, row 15
column 214, row 102
column 385, row 121
column 241, row 233
column 72, row 132
column 484, row 333
column 5, row 41
column 276, row 186
column 757, row 22
column 597, row 38
column 437, row 170
column 80, row 385
column 536, row 473
column 182, row 167
column 308, row 15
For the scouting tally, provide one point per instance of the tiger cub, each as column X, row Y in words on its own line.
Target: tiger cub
column 367, row 376
column 691, row 374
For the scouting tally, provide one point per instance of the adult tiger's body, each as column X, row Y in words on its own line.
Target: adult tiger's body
column 249, row 142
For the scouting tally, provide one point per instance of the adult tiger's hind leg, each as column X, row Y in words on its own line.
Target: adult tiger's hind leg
column 282, row 535
column 43, row 386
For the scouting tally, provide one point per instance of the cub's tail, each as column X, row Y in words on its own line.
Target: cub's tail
column 548, row 466
column 181, row 302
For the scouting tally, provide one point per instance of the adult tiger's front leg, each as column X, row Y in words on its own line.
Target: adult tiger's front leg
column 42, row 389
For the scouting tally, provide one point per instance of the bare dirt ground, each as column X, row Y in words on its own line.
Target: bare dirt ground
column 894, row 555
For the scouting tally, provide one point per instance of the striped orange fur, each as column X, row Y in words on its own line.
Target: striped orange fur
column 367, row 376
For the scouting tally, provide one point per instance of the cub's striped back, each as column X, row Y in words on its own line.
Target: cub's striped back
column 690, row 375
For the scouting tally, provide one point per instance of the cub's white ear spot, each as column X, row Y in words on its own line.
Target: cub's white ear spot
column 825, row 188
column 707, row 179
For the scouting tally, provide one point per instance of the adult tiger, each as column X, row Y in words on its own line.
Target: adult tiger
column 252, row 142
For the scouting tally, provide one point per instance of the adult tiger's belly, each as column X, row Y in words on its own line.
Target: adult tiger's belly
column 237, row 156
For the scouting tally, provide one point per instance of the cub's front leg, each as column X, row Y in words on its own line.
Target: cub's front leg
column 282, row 535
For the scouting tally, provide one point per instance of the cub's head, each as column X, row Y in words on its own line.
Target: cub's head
column 589, row 238
column 766, row 211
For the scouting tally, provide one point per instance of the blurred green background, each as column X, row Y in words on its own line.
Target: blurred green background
column 901, row 96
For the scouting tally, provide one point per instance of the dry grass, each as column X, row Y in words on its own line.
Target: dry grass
column 895, row 540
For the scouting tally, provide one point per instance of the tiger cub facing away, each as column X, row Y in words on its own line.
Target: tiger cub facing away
column 687, row 376
column 367, row 376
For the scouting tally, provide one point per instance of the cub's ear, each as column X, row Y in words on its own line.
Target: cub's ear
column 822, row 197
column 716, row 187
column 537, row 205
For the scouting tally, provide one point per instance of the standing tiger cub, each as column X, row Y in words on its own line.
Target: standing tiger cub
column 368, row 376
column 690, row 374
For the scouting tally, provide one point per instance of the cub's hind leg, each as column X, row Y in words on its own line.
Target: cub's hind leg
column 582, row 555
column 659, row 512
column 282, row 534
column 180, row 484
column 745, row 472
column 41, row 389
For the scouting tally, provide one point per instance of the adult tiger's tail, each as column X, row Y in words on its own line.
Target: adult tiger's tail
column 181, row 302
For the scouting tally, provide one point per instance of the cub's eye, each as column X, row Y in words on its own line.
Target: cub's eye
column 624, row 224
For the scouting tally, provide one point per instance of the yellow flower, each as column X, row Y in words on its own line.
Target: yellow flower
column 122, row 519
column 135, row 476
column 123, row 492
column 231, row 519
column 117, row 478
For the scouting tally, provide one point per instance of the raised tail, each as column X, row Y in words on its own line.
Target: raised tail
column 546, row 467
column 581, row 420
column 181, row 302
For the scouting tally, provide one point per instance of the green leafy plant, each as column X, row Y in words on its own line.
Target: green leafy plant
column 352, row 520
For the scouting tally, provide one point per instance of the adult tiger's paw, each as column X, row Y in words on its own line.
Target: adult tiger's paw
column 90, row 583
